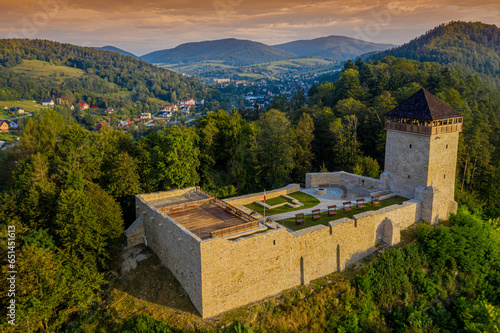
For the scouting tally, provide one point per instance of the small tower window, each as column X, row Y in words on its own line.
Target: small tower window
column 408, row 176
column 410, row 146
column 274, row 242
column 444, row 176
column 446, row 146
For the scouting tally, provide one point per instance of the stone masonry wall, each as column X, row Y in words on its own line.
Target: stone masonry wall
column 315, row 179
column 166, row 194
column 235, row 273
column 248, row 199
column 177, row 248
column 135, row 233
column 407, row 161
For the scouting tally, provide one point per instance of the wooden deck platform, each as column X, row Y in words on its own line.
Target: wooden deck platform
column 202, row 220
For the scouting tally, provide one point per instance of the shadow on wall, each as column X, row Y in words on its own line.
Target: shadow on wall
column 148, row 280
column 385, row 232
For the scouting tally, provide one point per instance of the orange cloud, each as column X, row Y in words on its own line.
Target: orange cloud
column 141, row 26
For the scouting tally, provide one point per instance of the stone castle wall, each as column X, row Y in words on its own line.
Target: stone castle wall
column 443, row 164
column 249, row 198
column 249, row 269
column 406, row 161
column 135, row 233
column 316, row 179
column 177, row 248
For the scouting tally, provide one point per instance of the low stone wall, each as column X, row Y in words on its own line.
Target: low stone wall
column 314, row 180
column 239, row 272
column 135, row 233
column 249, row 198
column 166, row 194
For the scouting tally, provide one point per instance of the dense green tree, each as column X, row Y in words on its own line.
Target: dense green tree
column 171, row 160
column 275, row 141
column 225, row 143
column 303, row 154
column 346, row 145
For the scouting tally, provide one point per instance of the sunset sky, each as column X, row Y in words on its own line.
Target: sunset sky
column 142, row 26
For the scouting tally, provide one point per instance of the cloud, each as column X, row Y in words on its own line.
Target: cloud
column 146, row 25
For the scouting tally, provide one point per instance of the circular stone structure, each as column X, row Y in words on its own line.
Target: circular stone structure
column 321, row 191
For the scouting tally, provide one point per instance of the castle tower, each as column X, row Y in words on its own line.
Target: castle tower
column 421, row 153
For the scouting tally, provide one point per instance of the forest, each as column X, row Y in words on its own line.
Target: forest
column 472, row 47
column 110, row 79
column 69, row 192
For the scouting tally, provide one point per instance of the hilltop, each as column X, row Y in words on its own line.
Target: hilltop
column 472, row 47
column 232, row 52
column 233, row 57
column 41, row 69
column 334, row 48
column 117, row 50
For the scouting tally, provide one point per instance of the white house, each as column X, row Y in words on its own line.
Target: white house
column 49, row 103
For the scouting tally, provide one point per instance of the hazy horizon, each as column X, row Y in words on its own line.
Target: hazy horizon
column 142, row 27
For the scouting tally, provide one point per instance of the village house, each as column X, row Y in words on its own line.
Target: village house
column 49, row 103
column 98, row 126
column 83, row 106
column 165, row 114
column 145, row 116
column 17, row 109
column 110, row 110
column 4, row 126
column 187, row 102
column 62, row 100
column 170, row 108
column 122, row 124
column 13, row 126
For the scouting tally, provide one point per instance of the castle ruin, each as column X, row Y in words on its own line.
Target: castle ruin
column 225, row 258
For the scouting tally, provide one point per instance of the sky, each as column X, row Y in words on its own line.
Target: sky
column 143, row 26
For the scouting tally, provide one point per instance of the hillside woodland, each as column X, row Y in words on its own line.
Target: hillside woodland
column 108, row 79
column 69, row 192
column 473, row 48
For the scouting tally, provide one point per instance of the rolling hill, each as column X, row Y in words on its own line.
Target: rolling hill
column 41, row 69
column 334, row 48
column 471, row 47
column 232, row 52
column 117, row 50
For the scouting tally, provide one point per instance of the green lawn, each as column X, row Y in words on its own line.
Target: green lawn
column 27, row 105
column 39, row 69
column 308, row 201
column 9, row 137
column 325, row 219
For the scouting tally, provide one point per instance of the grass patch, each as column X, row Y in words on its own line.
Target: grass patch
column 277, row 200
column 308, row 201
column 27, row 105
column 325, row 219
column 9, row 137
column 43, row 69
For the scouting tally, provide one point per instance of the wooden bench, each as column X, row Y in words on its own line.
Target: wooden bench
column 332, row 210
column 316, row 214
column 299, row 218
column 347, row 206
column 360, row 203
column 176, row 208
column 375, row 199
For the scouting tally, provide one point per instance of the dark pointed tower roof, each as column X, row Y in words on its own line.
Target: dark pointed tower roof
column 423, row 106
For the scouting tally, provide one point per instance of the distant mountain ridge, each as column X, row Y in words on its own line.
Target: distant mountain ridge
column 117, row 50
column 237, row 52
column 231, row 51
column 334, row 48
column 472, row 47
